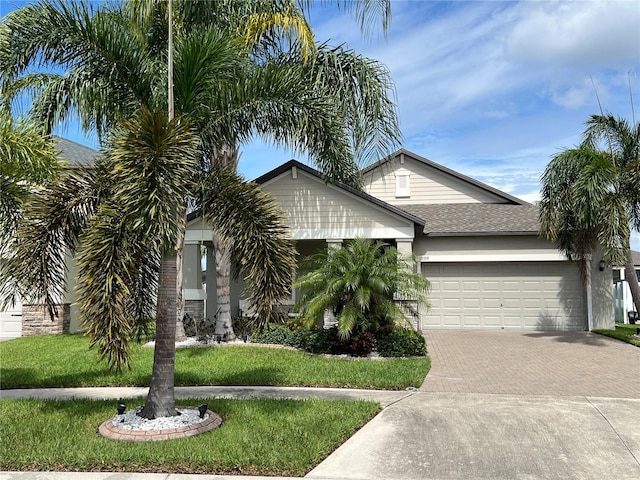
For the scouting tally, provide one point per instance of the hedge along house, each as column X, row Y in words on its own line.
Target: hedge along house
column 479, row 247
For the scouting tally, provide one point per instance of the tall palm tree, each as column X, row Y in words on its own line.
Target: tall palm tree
column 590, row 196
column 128, row 214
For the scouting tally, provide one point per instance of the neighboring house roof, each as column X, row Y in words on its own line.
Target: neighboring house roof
column 635, row 256
column 305, row 168
column 448, row 171
column 77, row 155
column 470, row 219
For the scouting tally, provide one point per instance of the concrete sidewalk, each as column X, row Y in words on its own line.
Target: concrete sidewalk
column 383, row 397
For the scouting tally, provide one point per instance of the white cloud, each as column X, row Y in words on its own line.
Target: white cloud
column 582, row 35
column 573, row 96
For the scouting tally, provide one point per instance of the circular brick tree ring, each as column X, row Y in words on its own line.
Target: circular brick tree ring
column 109, row 430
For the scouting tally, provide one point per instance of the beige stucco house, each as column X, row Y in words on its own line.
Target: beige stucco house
column 478, row 246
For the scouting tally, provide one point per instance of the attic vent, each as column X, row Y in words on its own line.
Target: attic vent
column 402, row 184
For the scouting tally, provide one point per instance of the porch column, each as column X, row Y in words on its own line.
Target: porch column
column 334, row 243
column 192, row 290
column 329, row 319
column 211, row 303
column 405, row 247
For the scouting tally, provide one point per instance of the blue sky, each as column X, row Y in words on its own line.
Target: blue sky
column 490, row 89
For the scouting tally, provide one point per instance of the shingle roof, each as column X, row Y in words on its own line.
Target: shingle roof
column 635, row 256
column 77, row 155
column 477, row 219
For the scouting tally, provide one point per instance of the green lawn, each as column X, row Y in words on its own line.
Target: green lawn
column 66, row 361
column 257, row 437
column 622, row 332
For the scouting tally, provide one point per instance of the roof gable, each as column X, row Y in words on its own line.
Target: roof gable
column 317, row 208
column 430, row 183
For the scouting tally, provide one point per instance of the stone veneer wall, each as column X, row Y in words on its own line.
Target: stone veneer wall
column 37, row 321
column 194, row 308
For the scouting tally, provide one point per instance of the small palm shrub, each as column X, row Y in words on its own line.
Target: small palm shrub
column 365, row 284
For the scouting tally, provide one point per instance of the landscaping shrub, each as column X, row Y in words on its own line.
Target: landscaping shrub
column 200, row 328
column 359, row 344
column 276, row 334
column 389, row 341
column 400, row 342
column 312, row 340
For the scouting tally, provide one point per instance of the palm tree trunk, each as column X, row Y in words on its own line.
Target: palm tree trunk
column 632, row 279
column 180, row 334
column 224, row 324
column 229, row 157
column 161, row 400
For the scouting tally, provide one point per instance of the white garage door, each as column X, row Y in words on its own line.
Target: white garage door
column 541, row 296
column 11, row 322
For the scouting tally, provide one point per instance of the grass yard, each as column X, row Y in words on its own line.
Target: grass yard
column 257, row 437
column 622, row 332
column 66, row 361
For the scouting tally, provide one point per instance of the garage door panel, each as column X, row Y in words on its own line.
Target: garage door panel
column 471, row 303
column 492, row 321
column 452, row 320
column 505, row 295
column 472, row 320
column 471, row 285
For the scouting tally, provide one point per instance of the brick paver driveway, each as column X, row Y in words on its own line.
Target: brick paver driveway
column 532, row 363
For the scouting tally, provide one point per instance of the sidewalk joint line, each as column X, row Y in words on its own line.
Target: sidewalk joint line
column 614, row 431
column 409, row 394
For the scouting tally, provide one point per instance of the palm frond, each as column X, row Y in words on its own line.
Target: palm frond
column 54, row 219
column 153, row 162
column 107, row 270
column 251, row 223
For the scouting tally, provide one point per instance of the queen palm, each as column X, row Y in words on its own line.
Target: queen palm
column 590, row 196
column 128, row 214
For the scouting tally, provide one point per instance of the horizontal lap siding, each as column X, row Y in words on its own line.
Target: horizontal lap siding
column 545, row 295
column 309, row 203
column 427, row 185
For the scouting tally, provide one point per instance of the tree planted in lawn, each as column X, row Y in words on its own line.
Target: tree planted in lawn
column 127, row 215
